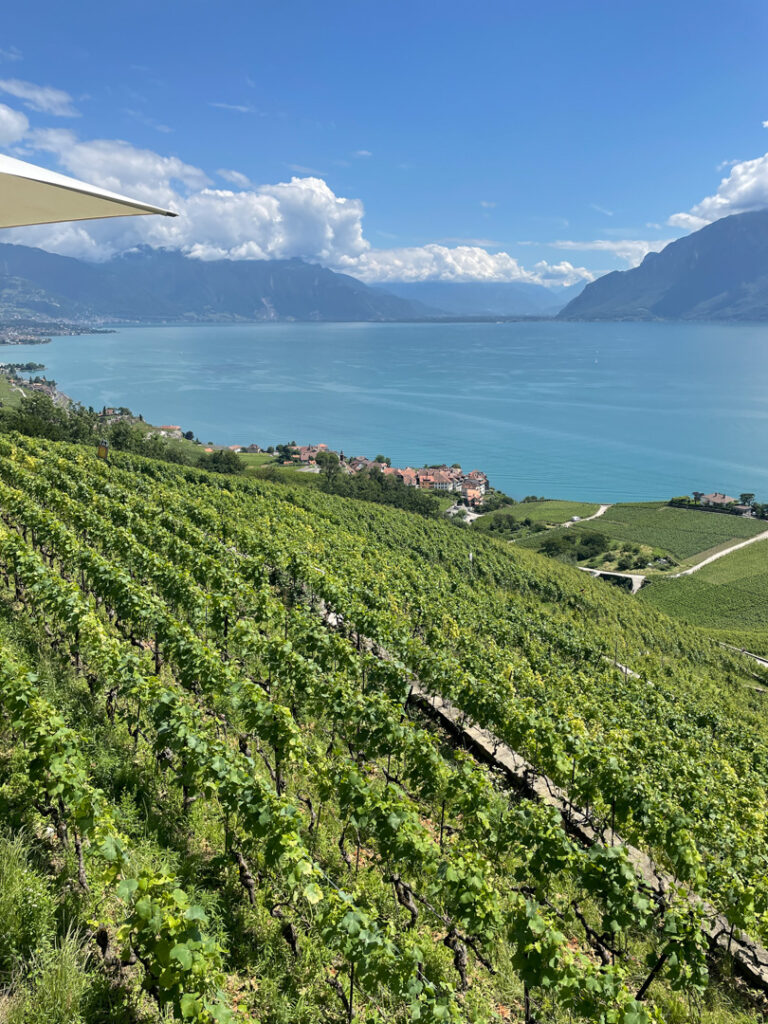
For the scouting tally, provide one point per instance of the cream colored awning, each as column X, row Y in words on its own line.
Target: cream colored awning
column 34, row 195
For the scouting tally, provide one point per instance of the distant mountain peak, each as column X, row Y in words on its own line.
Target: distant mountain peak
column 717, row 273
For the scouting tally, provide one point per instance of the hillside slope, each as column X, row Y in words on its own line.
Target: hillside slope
column 248, row 795
column 717, row 273
column 163, row 284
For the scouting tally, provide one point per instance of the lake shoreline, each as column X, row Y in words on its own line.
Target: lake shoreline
column 592, row 412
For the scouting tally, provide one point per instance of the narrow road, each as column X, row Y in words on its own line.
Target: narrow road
column 720, row 554
column 637, row 579
column 601, row 511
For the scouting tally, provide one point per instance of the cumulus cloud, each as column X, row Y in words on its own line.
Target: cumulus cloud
column 302, row 217
column 119, row 166
column 745, row 188
column 460, row 263
column 13, row 125
column 632, row 250
column 42, row 98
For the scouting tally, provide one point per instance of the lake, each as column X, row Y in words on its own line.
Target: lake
column 605, row 412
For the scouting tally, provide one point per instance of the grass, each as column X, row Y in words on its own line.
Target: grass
column 9, row 396
column 544, row 511
column 688, row 536
column 254, row 460
column 725, row 598
column 284, row 475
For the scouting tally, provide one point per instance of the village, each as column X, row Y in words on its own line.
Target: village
column 469, row 488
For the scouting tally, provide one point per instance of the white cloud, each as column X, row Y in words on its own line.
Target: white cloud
column 632, row 250
column 13, row 125
column 11, row 54
column 150, row 122
column 302, row 217
column 363, row 152
column 119, row 166
column 765, row 124
column 563, row 273
column 601, row 209
column 486, row 204
column 234, row 178
column 42, row 98
column 239, row 108
column 745, row 188
column 460, row 263
column 303, row 169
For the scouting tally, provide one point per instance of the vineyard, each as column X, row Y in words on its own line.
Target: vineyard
column 687, row 535
column 221, row 801
column 725, row 598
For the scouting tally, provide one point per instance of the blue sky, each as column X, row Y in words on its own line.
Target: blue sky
column 560, row 135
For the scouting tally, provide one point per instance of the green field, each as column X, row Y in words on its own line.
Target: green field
column 256, row 460
column 688, row 536
column 728, row 598
column 9, row 396
column 550, row 512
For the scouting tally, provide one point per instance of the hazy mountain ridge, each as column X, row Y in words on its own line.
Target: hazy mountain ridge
column 717, row 273
column 486, row 298
column 164, row 285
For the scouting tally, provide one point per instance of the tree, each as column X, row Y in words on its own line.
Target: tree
column 221, row 461
column 329, row 464
column 383, row 460
column 697, row 496
column 190, row 435
column 746, row 498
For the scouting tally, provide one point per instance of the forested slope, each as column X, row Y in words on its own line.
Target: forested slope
column 234, row 809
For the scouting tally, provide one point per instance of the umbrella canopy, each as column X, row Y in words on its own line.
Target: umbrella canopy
column 34, row 195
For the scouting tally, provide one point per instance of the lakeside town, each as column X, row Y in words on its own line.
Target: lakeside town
column 471, row 487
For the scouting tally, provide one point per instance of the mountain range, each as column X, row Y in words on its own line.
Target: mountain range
column 159, row 285
column 717, row 273
column 486, row 298
column 164, row 285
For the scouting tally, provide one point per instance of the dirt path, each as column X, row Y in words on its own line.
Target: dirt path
column 601, row 511
column 720, row 554
column 637, row 579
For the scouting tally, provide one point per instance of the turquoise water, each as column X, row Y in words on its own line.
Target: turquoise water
column 596, row 411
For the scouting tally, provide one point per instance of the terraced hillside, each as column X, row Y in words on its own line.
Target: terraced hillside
column 726, row 598
column 688, row 536
column 214, row 779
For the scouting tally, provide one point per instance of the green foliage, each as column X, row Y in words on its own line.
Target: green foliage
column 56, row 990
column 27, row 907
column 221, row 461
column 372, row 485
column 572, row 545
column 249, row 650
column 683, row 533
